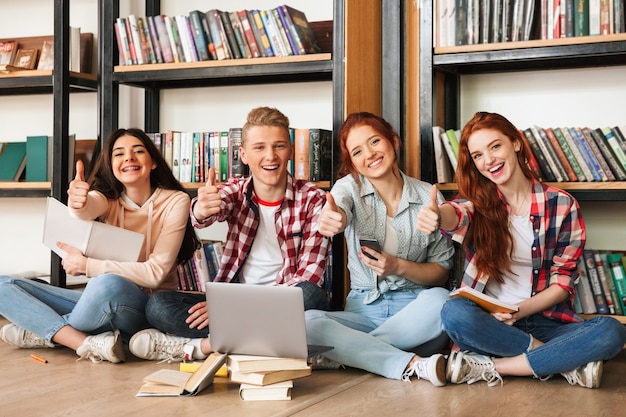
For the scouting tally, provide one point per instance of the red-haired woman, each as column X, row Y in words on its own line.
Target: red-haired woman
column 522, row 241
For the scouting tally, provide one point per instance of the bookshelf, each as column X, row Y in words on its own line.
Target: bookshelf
column 434, row 78
column 360, row 91
column 58, row 83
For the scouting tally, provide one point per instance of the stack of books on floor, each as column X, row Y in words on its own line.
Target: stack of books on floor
column 264, row 377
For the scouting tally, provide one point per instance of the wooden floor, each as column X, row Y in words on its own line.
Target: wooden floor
column 64, row 387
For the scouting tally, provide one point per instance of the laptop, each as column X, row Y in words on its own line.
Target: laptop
column 258, row 320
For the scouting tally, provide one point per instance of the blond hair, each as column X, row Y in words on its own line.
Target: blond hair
column 264, row 116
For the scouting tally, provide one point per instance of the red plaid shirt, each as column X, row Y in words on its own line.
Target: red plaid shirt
column 559, row 239
column 303, row 248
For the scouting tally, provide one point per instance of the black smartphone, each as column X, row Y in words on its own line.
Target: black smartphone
column 372, row 244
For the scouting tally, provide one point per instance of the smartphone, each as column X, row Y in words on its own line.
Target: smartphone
column 372, row 244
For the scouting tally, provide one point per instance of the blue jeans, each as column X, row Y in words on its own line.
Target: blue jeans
column 566, row 345
column 168, row 310
column 108, row 302
column 376, row 336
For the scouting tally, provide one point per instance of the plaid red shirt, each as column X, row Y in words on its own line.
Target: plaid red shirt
column 559, row 239
column 303, row 248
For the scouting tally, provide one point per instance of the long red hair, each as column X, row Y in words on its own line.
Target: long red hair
column 489, row 233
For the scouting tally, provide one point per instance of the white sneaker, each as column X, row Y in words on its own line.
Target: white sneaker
column 588, row 376
column 16, row 336
column 102, row 347
column 472, row 367
column 432, row 369
column 154, row 345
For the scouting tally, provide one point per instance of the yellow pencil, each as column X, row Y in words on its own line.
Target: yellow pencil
column 38, row 358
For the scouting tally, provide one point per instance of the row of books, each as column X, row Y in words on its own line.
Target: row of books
column 31, row 160
column 557, row 154
column 601, row 288
column 260, row 377
column 191, row 154
column 202, row 267
column 214, row 35
column 468, row 22
column 15, row 56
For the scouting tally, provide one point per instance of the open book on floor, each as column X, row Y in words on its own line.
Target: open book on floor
column 492, row 305
column 173, row 383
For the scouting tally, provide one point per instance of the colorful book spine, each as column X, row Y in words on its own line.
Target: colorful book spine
column 594, row 279
column 616, row 262
column 569, row 154
column 598, row 154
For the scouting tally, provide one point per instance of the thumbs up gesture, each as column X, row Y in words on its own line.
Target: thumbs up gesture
column 209, row 200
column 429, row 216
column 78, row 189
column 332, row 219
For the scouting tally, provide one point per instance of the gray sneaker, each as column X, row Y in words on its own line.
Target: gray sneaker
column 322, row 362
column 588, row 376
column 432, row 369
column 16, row 336
column 472, row 367
column 155, row 345
column 102, row 347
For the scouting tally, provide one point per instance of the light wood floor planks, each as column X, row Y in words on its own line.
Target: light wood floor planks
column 64, row 387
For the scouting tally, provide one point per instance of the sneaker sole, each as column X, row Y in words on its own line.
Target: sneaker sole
column 453, row 369
column 118, row 348
column 596, row 374
column 439, row 372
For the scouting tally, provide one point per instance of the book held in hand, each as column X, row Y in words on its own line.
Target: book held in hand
column 170, row 382
column 278, row 391
column 492, row 305
column 94, row 239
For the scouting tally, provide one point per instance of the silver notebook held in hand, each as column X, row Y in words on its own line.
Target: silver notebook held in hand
column 259, row 320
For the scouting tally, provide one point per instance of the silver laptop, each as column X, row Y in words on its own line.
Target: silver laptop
column 258, row 320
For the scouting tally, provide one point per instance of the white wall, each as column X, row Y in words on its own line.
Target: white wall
column 592, row 97
column 21, row 219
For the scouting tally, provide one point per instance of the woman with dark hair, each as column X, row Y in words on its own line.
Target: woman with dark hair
column 522, row 241
column 131, row 187
column 396, row 293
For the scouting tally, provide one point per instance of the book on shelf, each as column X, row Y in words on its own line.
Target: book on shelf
column 548, row 175
column 301, row 163
column 320, row 154
column 26, row 59
column 282, row 33
column 303, row 29
column 196, row 17
column 453, row 139
column 604, row 282
column 146, row 43
column 587, row 153
column 260, row 34
column 611, row 290
column 154, row 39
column 133, row 31
column 614, row 143
column 236, row 166
column 532, row 161
column 92, row 238
column 12, row 160
column 443, row 167
column 617, row 263
column 576, row 152
column 251, row 363
column 297, row 47
column 172, row 35
column 614, row 163
column 46, row 57
column 121, row 39
column 170, row 382
column 248, row 31
column 274, row 392
column 217, row 34
column 8, row 49
column 164, row 38
column 268, row 377
column 240, row 36
column 583, row 290
column 607, row 172
column 594, row 280
column 548, row 152
column 560, row 154
column 189, row 49
column 569, row 154
column 38, row 154
column 233, row 46
column 488, row 303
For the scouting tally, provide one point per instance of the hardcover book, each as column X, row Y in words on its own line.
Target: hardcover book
column 248, row 31
column 38, row 149
column 609, row 151
column 301, row 164
column 8, row 49
column 268, row 377
column 46, row 58
column 303, row 29
column 583, row 290
column 273, row 392
column 577, row 152
column 12, row 161
column 560, row 154
column 251, row 363
column 571, row 156
column 548, row 175
column 616, row 262
column 170, row 382
column 491, row 304
column 594, row 279
column 320, row 154
column 26, row 58
column 593, row 145
column 260, row 34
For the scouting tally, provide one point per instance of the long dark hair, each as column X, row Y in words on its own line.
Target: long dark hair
column 489, row 232
column 102, row 179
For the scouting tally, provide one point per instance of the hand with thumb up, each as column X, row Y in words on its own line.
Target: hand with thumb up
column 78, row 189
column 332, row 219
column 209, row 200
column 429, row 217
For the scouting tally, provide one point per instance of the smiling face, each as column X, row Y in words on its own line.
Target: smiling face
column 494, row 155
column 372, row 155
column 267, row 150
column 130, row 162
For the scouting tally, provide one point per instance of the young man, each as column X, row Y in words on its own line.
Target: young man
column 272, row 239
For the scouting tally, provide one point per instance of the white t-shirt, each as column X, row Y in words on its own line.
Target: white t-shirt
column 517, row 286
column 265, row 259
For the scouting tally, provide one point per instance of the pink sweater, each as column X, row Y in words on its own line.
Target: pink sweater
column 162, row 220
